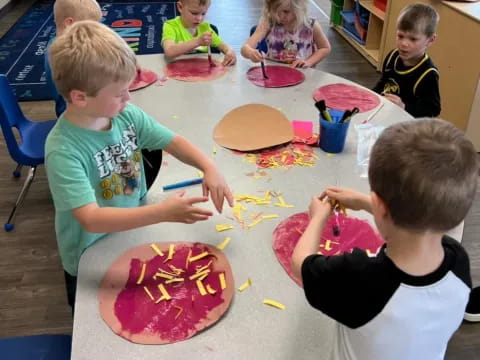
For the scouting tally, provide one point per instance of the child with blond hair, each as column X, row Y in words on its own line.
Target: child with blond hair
column 423, row 176
column 65, row 13
column 93, row 154
column 291, row 36
column 188, row 32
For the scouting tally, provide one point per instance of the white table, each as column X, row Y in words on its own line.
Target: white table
column 249, row 330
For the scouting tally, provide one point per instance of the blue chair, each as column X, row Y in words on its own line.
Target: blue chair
column 36, row 347
column 262, row 45
column 31, row 148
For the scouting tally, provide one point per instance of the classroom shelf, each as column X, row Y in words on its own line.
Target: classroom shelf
column 368, row 4
column 372, row 55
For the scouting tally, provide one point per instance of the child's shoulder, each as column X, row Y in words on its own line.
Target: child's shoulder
column 175, row 22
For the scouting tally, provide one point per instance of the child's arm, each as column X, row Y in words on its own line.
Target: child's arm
column 173, row 50
column 176, row 208
column 230, row 58
column 323, row 48
column 249, row 49
column 213, row 182
column 350, row 198
column 310, row 240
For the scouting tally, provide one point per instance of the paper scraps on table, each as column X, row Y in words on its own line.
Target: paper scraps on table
column 245, row 285
column 274, row 303
column 303, row 132
column 224, row 243
column 220, row 228
column 282, row 157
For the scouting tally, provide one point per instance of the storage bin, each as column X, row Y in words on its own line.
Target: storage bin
column 336, row 14
column 349, row 26
column 381, row 4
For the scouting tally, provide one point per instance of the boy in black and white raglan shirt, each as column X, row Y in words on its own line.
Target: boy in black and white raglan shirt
column 407, row 301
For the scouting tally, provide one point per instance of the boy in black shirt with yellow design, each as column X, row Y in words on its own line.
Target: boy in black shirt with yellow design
column 409, row 77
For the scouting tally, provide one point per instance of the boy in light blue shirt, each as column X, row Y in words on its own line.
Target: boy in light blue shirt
column 93, row 154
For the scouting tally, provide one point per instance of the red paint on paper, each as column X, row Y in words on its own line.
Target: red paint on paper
column 278, row 76
column 346, row 97
column 143, row 79
column 354, row 233
column 194, row 70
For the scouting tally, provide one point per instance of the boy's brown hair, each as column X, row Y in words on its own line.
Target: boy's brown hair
column 419, row 18
column 88, row 57
column 77, row 9
column 426, row 172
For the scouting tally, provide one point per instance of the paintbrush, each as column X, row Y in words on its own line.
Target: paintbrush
column 262, row 64
column 322, row 107
column 210, row 61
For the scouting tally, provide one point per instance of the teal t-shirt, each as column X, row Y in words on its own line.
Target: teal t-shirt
column 104, row 167
column 174, row 30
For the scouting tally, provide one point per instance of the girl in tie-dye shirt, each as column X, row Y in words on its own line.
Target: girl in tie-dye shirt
column 290, row 35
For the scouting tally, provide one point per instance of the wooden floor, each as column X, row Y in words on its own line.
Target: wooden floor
column 32, row 295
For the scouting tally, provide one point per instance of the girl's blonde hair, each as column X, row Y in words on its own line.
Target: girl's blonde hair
column 88, row 57
column 299, row 8
column 78, row 10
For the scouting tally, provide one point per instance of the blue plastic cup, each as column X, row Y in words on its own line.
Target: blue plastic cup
column 333, row 134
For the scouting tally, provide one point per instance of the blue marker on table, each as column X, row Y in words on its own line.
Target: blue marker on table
column 183, row 184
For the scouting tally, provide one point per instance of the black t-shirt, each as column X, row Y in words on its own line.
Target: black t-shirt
column 385, row 313
column 417, row 85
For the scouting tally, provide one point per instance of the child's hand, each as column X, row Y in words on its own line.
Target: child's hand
column 256, row 56
column 205, row 39
column 215, row 185
column 349, row 198
column 299, row 63
column 395, row 99
column 229, row 59
column 178, row 208
column 320, row 208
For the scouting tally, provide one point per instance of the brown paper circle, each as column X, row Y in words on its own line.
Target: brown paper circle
column 115, row 280
column 253, row 127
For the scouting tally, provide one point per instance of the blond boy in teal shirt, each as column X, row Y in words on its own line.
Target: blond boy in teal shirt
column 189, row 33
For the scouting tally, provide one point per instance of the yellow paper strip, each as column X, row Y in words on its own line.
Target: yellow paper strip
column 223, row 283
column 274, row 304
column 171, row 251
column 214, row 150
column 163, row 275
column 223, row 227
column 199, row 269
column 198, row 257
column 148, row 293
column 255, row 223
column 174, row 280
column 210, row 290
column 199, row 274
column 156, row 249
column 273, row 216
column 224, row 243
column 201, row 288
column 165, row 294
column 188, row 258
column 245, row 285
column 142, row 274
column 180, row 310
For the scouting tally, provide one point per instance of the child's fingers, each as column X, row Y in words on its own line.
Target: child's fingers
column 197, row 199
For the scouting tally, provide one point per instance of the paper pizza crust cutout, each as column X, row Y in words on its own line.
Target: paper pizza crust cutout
column 129, row 311
column 278, row 76
column 253, row 127
column 194, row 70
column 143, row 79
column 346, row 97
column 354, row 233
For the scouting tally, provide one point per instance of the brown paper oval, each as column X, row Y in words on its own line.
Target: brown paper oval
column 253, row 127
column 117, row 275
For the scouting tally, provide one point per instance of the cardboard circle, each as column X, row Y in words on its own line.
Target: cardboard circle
column 143, row 79
column 346, row 97
column 128, row 310
column 354, row 233
column 194, row 70
column 253, row 127
column 278, row 76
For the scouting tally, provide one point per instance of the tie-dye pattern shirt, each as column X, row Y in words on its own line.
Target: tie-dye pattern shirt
column 285, row 46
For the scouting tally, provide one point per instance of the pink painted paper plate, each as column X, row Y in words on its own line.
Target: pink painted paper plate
column 143, row 79
column 346, row 97
column 278, row 76
column 194, row 70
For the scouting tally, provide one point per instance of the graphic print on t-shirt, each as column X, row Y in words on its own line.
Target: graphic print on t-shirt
column 119, row 166
column 391, row 87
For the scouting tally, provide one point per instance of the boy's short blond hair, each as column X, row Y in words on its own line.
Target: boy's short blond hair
column 78, row 10
column 88, row 57
column 199, row 2
column 426, row 172
column 418, row 18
